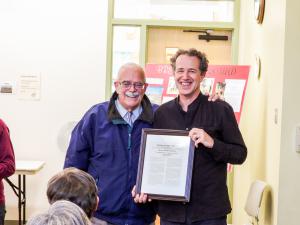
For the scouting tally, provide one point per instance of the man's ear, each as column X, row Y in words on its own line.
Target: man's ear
column 117, row 86
column 145, row 87
column 97, row 204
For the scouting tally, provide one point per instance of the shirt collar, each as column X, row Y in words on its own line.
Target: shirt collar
column 135, row 113
column 193, row 105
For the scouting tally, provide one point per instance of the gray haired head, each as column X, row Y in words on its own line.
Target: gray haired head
column 61, row 213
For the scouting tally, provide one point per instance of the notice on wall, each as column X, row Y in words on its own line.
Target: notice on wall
column 30, row 87
column 229, row 81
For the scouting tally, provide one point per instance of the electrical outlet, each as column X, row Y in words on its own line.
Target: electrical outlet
column 297, row 139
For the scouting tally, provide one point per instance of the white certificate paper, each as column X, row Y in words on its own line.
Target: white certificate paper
column 165, row 164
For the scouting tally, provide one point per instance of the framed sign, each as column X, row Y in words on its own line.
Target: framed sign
column 165, row 164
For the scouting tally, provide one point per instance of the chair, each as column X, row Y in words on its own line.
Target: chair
column 254, row 199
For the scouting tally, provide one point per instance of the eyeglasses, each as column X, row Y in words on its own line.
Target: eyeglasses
column 127, row 85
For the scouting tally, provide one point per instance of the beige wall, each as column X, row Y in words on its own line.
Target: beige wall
column 289, row 175
column 264, row 97
column 271, row 145
column 64, row 41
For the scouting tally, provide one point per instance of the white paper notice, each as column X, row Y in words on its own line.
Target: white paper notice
column 30, row 87
column 234, row 92
column 153, row 80
column 172, row 89
column 165, row 165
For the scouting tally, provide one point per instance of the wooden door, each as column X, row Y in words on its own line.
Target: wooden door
column 161, row 40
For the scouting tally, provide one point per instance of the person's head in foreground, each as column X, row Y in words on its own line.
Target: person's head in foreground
column 61, row 213
column 76, row 186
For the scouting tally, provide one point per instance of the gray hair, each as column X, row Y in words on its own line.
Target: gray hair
column 61, row 213
column 133, row 66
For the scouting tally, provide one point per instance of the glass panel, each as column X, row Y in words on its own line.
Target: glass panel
column 189, row 10
column 126, row 47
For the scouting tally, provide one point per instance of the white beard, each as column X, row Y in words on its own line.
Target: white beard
column 132, row 94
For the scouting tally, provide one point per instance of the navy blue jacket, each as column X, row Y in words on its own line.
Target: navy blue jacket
column 106, row 147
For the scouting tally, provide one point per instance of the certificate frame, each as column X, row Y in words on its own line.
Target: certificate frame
column 175, row 156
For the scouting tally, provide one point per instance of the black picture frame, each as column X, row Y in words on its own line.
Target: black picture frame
column 168, row 152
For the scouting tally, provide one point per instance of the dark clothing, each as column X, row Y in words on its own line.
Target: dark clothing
column 106, row 147
column 2, row 213
column 209, row 196
column 7, row 158
column 218, row 221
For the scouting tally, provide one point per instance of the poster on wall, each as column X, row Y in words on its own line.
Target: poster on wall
column 29, row 87
column 229, row 81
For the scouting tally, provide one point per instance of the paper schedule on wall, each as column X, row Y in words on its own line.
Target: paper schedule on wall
column 29, row 87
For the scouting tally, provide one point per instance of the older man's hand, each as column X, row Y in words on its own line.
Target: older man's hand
column 139, row 198
column 215, row 96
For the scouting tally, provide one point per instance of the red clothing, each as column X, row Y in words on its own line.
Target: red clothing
column 7, row 157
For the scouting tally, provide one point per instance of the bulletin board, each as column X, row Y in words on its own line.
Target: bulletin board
column 229, row 81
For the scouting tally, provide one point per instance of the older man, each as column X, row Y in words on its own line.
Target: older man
column 105, row 143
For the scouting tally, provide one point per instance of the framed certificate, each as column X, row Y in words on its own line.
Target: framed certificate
column 165, row 164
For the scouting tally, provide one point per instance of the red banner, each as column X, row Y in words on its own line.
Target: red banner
column 230, row 81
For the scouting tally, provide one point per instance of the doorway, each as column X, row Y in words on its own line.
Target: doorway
column 162, row 41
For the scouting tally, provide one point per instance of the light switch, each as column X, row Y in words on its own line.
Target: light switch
column 298, row 139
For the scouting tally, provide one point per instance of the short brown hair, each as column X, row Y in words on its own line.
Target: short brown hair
column 191, row 52
column 76, row 186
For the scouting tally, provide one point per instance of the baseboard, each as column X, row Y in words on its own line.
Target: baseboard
column 11, row 222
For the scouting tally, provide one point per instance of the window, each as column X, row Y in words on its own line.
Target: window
column 126, row 47
column 185, row 10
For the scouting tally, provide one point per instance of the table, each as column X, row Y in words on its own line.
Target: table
column 23, row 168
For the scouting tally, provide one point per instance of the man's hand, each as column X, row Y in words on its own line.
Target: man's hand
column 139, row 198
column 214, row 97
column 200, row 136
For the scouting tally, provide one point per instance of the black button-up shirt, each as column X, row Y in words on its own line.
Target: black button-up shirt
column 209, row 195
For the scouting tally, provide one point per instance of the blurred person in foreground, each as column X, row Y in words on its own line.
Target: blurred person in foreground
column 75, row 186
column 61, row 212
